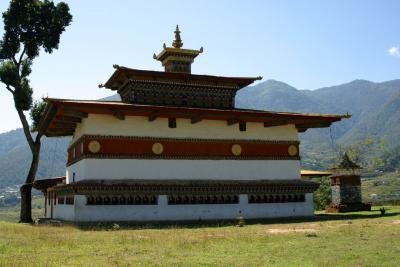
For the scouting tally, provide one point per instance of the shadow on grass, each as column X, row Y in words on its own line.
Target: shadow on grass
column 227, row 223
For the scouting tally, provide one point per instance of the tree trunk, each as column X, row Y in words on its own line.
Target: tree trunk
column 26, row 189
column 26, row 203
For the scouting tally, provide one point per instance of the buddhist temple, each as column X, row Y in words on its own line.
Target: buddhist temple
column 176, row 149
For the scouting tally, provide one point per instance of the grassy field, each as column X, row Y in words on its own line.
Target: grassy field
column 354, row 239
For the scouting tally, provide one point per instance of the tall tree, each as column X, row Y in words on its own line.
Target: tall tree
column 29, row 26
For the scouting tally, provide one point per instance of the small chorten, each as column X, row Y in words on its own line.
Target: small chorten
column 346, row 187
column 346, row 166
column 175, row 58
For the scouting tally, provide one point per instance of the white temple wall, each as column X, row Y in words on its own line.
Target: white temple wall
column 97, row 124
column 163, row 212
column 183, row 169
column 48, row 209
column 64, row 212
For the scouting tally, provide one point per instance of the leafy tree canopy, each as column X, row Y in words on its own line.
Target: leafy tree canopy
column 28, row 26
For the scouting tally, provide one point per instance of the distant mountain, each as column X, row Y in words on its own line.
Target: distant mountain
column 15, row 157
column 276, row 96
column 375, row 108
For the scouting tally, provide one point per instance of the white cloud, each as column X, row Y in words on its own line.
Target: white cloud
column 394, row 51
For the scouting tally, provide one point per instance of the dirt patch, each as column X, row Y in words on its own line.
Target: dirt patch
column 394, row 222
column 286, row 231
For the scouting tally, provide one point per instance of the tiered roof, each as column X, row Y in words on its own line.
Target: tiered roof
column 174, row 93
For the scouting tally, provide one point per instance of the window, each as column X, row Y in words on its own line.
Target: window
column 242, row 126
column 121, row 200
column 69, row 200
column 202, row 199
column 276, row 198
column 61, row 200
column 172, row 122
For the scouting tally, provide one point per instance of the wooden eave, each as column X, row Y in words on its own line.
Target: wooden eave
column 122, row 74
column 91, row 186
column 44, row 184
column 62, row 116
column 312, row 173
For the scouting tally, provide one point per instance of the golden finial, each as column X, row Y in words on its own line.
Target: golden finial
column 177, row 43
column 347, row 115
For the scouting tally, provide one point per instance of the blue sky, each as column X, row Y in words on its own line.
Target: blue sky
column 307, row 44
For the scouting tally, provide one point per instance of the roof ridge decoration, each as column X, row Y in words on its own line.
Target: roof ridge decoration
column 177, row 43
column 346, row 163
column 175, row 58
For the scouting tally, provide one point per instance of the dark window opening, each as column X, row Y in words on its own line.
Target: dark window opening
column 276, row 198
column 61, row 200
column 203, row 199
column 172, row 122
column 242, row 126
column 121, row 200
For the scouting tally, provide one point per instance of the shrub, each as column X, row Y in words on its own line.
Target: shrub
column 382, row 210
column 115, row 227
column 241, row 221
column 322, row 196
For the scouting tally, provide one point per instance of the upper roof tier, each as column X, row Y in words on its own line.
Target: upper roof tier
column 176, row 86
column 122, row 75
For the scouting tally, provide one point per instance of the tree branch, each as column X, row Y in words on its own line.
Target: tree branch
column 10, row 90
column 20, row 57
column 27, row 132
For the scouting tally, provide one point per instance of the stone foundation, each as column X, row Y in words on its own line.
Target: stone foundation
column 339, row 208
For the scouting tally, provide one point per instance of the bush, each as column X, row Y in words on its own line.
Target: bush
column 241, row 221
column 115, row 227
column 323, row 195
column 383, row 211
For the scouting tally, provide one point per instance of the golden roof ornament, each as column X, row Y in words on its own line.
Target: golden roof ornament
column 177, row 43
column 176, row 58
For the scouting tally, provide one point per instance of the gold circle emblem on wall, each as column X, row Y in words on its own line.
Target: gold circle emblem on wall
column 236, row 150
column 292, row 150
column 157, row 148
column 94, row 146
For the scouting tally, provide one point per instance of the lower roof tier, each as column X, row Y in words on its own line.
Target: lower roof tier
column 61, row 116
column 197, row 187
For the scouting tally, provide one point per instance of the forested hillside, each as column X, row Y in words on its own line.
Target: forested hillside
column 15, row 158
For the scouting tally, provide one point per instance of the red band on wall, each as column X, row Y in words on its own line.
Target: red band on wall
column 140, row 147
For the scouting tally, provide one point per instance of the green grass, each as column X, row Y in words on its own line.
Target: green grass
column 354, row 239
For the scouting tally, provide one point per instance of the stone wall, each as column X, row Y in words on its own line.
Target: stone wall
column 346, row 194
